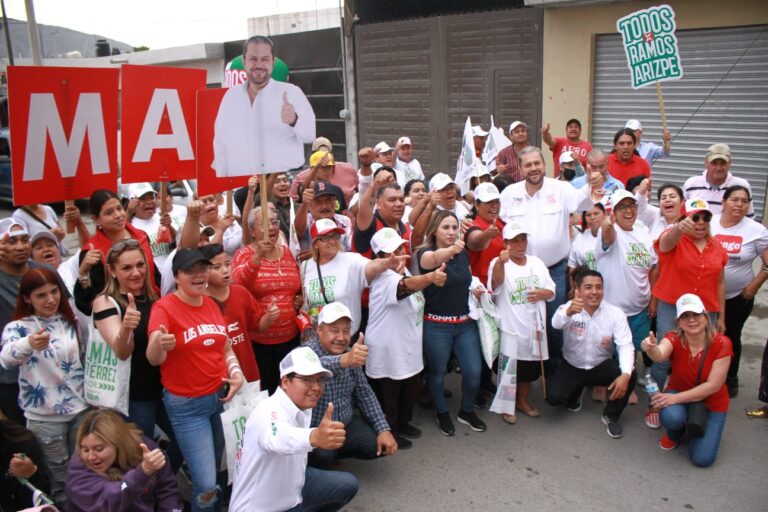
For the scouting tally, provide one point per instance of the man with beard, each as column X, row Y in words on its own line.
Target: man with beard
column 262, row 125
column 508, row 159
column 368, row 436
column 624, row 162
column 544, row 205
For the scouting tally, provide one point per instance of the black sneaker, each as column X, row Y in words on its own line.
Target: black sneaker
column 402, row 442
column 614, row 427
column 471, row 420
column 410, row 431
column 445, row 424
column 480, row 401
column 575, row 406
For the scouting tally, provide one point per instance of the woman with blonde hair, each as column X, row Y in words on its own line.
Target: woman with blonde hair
column 118, row 470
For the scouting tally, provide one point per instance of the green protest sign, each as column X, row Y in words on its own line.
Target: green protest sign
column 650, row 45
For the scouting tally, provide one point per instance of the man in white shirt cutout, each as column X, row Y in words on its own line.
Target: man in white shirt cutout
column 262, row 124
column 591, row 328
column 273, row 474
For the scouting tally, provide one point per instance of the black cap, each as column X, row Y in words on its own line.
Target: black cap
column 186, row 259
column 326, row 188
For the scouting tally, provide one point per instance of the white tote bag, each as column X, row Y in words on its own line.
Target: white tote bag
column 233, row 420
column 107, row 377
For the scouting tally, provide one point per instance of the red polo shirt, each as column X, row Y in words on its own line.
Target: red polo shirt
column 623, row 171
column 479, row 261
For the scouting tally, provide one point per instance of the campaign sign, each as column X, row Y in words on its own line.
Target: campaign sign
column 650, row 45
column 208, row 182
column 158, row 124
column 63, row 132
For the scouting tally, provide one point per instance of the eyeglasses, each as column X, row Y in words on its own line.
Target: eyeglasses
column 196, row 270
column 704, row 217
column 310, row 382
column 622, row 207
column 328, row 237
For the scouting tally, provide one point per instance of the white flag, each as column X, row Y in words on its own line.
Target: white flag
column 465, row 166
column 495, row 142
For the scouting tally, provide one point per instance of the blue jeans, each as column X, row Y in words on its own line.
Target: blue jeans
column 326, row 490
column 559, row 274
column 701, row 450
column 200, row 436
column 148, row 413
column 464, row 340
column 640, row 325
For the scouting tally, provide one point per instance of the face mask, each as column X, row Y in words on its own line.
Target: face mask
column 568, row 174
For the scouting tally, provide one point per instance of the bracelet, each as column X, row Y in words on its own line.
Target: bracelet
column 233, row 365
column 232, row 357
column 236, row 371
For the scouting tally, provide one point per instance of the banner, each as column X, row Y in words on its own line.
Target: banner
column 650, row 45
column 495, row 142
column 208, row 182
column 465, row 166
column 63, row 132
column 158, row 130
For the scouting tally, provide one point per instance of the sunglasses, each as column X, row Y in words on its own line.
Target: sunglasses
column 706, row 217
column 120, row 247
column 328, row 237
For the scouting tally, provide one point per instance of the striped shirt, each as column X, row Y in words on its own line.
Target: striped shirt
column 698, row 186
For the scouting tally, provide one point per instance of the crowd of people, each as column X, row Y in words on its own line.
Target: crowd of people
column 349, row 296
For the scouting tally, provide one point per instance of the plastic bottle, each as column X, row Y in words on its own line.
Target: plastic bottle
column 651, row 387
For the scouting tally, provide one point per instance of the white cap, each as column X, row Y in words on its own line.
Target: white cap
column 566, row 157
column 382, row 147
column 332, row 312
column 619, row 195
column 689, row 302
column 302, row 361
column 633, row 124
column 481, row 170
column 8, row 223
column 486, row 192
column 439, row 181
column 516, row 124
column 386, row 240
column 477, row 131
column 512, row 230
column 139, row 189
column 404, row 141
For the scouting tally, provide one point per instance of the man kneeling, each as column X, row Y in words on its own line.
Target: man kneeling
column 366, row 438
column 591, row 328
column 273, row 474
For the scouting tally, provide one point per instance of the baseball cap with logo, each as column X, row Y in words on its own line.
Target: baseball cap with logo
column 694, row 205
column 439, row 181
column 620, row 195
column 138, row 190
column 323, row 227
column 486, row 192
column 8, row 223
column 302, row 361
column 386, row 240
column 513, row 229
column 719, row 151
column 382, row 147
column 689, row 302
column 332, row 312
column 633, row 124
column 318, row 155
column 322, row 142
column 404, row 141
column 515, row 125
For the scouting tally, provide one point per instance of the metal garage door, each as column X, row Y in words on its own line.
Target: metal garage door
column 422, row 77
column 722, row 97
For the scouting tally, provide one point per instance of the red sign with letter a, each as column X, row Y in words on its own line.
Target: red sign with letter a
column 63, row 132
column 158, row 124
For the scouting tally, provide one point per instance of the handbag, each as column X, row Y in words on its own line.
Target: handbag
column 107, row 377
column 696, row 424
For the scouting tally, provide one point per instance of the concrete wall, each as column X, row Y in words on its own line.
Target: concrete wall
column 569, row 35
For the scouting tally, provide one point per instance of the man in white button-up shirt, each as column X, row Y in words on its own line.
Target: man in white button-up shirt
column 262, row 124
column 591, row 328
column 273, row 473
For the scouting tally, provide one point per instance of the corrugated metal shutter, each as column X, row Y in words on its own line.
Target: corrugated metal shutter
column 722, row 97
column 422, row 77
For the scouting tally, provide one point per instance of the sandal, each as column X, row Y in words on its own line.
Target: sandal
column 760, row 412
column 509, row 419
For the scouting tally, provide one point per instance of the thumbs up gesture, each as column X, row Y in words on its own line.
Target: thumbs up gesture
column 438, row 276
column 649, row 343
column 492, row 232
column 132, row 315
column 152, row 461
column 287, row 112
column 167, row 341
column 39, row 340
column 576, row 305
column 329, row 434
column 356, row 356
column 92, row 257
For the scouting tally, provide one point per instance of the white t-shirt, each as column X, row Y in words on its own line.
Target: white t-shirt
column 651, row 217
column 583, row 250
column 160, row 251
column 407, row 171
column 344, row 281
column 743, row 242
column 394, row 331
column 460, row 209
column 519, row 319
column 626, row 266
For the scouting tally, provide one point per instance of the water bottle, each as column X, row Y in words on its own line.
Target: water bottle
column 651, row 387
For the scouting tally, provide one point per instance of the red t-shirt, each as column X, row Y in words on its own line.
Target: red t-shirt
column 271, row 279
column 563, row 144
column 243, row 313
column 479, row 261
column 686, row 270
column 685, row 368
column 196, row 365
column 623, row 171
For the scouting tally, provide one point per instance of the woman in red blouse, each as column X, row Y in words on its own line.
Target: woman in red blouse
column 693, row 341
column 269, row 271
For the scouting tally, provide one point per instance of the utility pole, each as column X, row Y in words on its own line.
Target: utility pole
column 34, row 35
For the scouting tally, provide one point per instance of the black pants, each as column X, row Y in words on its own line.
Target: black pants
column 568, row 383
column 9, row 403
column 397, row 398
column 268, row 358
column 360, row 443
column 737, row 311
column 762, row 392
